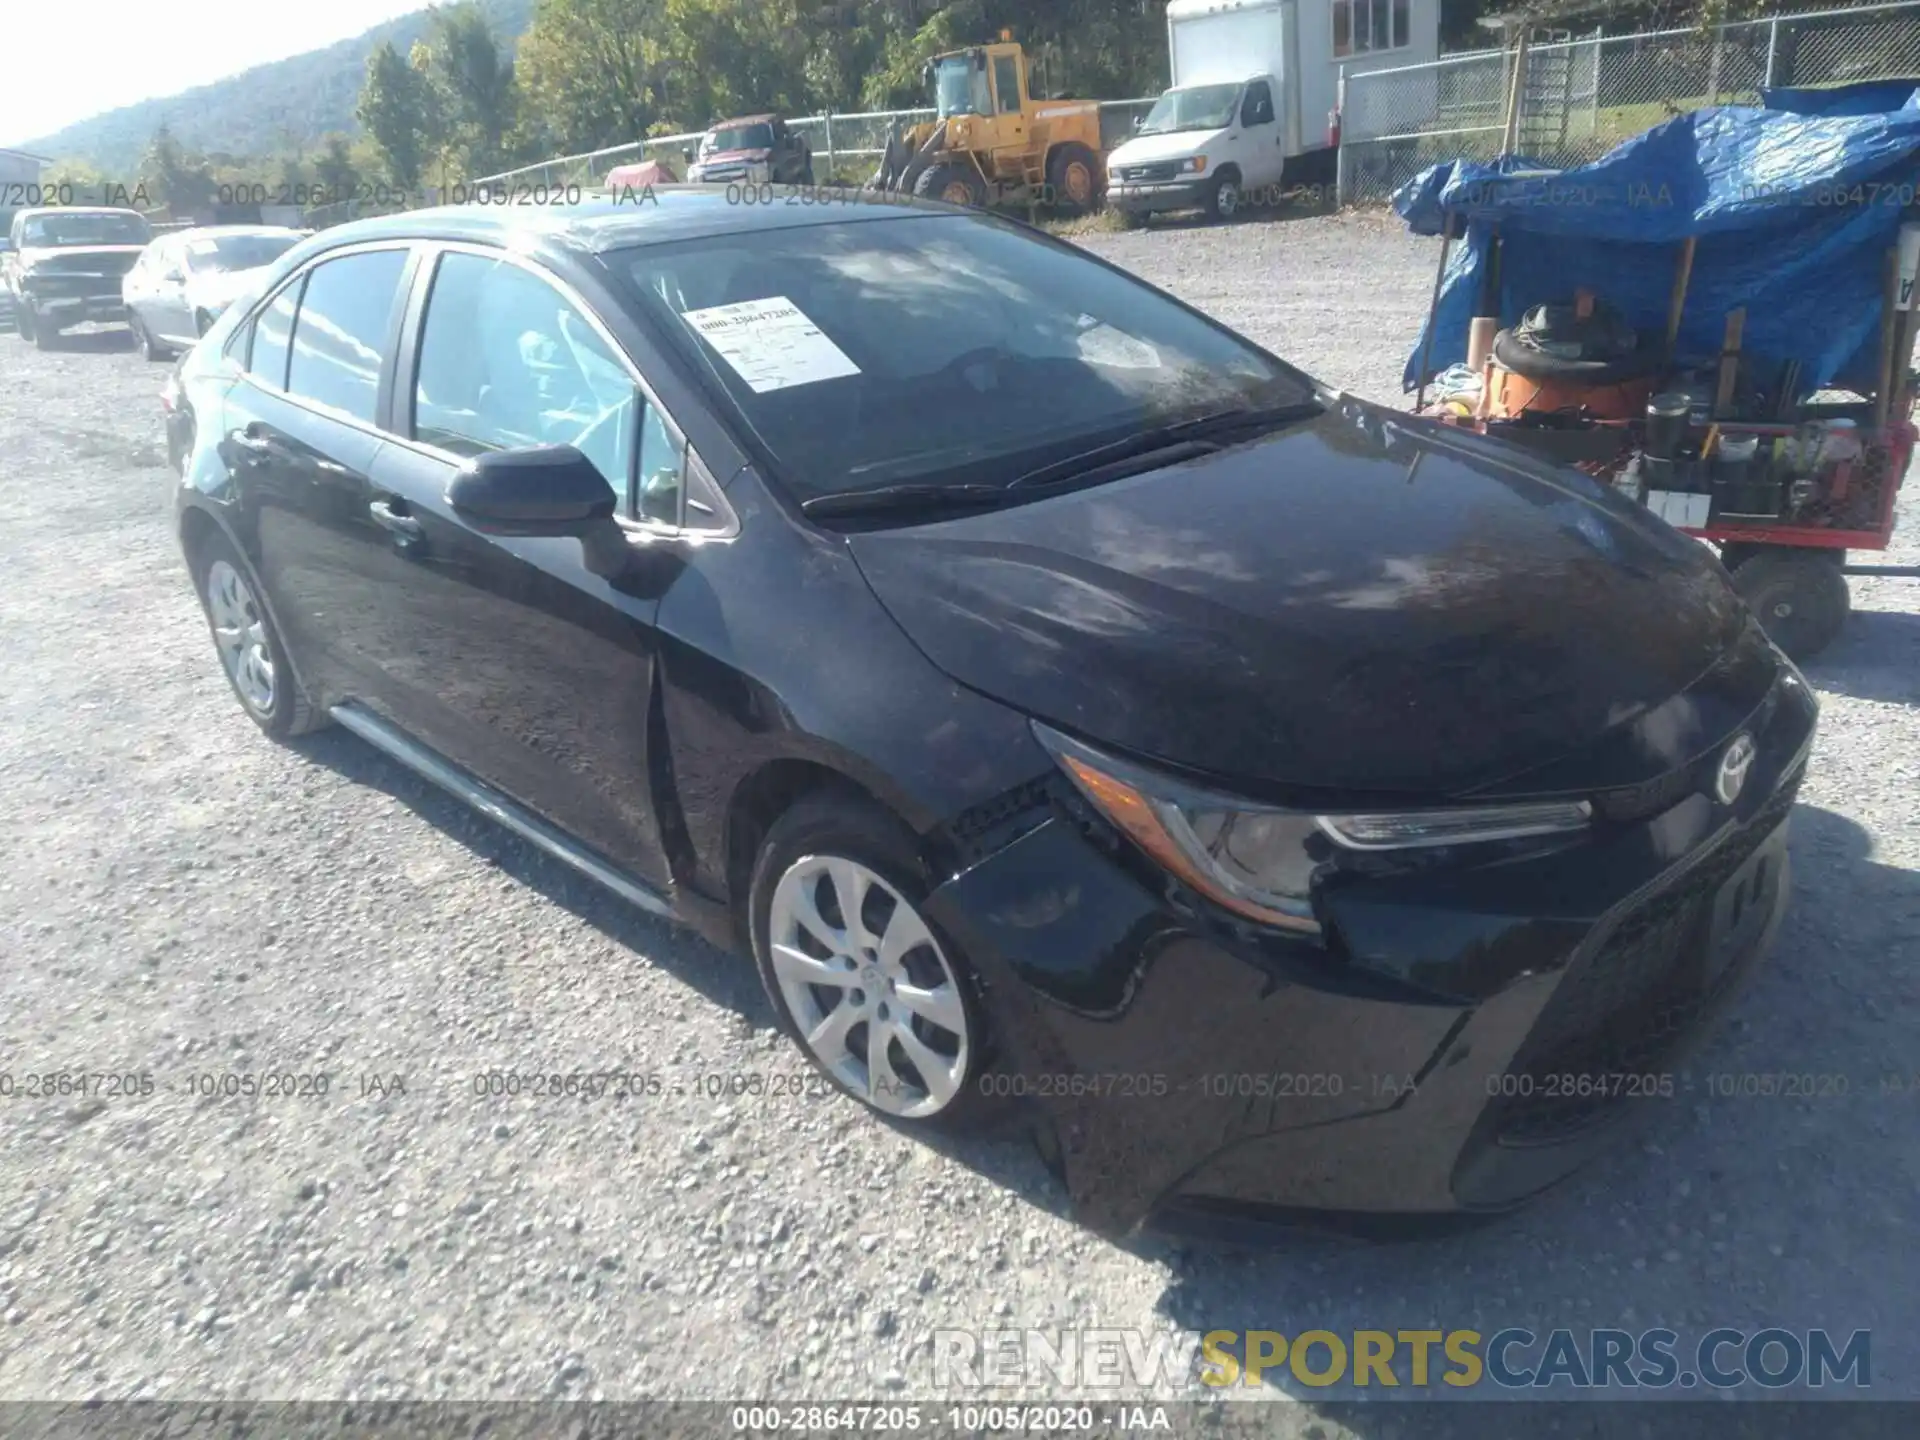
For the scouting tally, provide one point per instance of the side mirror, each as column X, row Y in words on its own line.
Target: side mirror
column 1138, row 121
column 549, row 490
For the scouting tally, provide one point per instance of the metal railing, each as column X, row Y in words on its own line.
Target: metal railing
column 1578, row 98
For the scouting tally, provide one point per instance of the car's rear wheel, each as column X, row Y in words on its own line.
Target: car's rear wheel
column 879, row 1001
column 252, row 655
column 150, row 348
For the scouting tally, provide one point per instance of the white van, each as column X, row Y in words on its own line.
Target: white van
column 1252, row 105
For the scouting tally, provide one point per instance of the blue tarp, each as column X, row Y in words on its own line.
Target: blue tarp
column 1792, row 215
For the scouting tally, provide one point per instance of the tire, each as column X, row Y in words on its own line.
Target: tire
column 1073, row 177
column 45, row 337
column 150, row 348
column 1801, row 599
column 217, row 570
column 23, row 323
column 1224, row 196
column 826, row 843
column 952, row 181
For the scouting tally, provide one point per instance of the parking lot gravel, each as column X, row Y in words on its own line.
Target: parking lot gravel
column 182, row 899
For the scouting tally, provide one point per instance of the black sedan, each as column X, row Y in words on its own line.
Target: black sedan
column 1078, row 713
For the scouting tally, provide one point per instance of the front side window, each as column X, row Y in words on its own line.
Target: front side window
column 1198, row 107
column 507, row 362
column 1257, row 109
column 865, row 354
column 341, row 331
column 273, row 338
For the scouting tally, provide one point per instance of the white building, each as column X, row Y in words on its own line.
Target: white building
column 17, row 167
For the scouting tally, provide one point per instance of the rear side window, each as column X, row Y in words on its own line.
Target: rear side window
column 273, row 337
column 341, row 332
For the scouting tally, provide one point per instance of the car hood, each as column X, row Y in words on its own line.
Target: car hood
column 1361, row 603
column 734, row 157
column 1175, row 145
column 81, row 259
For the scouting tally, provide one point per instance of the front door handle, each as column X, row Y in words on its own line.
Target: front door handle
column 252, row 438
column 389, row 519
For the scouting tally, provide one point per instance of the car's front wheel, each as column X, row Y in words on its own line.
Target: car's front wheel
column 882, row 1003
column 251, row 652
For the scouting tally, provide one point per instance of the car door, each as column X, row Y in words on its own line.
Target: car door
column 529, row 661
column 1261, row 139
column 166, row 312
column 301, row 431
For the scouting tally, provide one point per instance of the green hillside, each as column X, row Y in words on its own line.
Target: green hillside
column 288, row 104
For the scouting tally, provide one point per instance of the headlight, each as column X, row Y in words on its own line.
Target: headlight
column 1194, row 165
column 1260, row 861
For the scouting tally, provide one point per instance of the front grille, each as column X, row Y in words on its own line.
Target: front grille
column 1654, row 797
column 1628, row 1005
column 1149, row 173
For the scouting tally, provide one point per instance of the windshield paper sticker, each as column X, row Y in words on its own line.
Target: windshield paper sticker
column 771, row 343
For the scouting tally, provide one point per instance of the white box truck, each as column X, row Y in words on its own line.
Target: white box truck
column 1253, row 102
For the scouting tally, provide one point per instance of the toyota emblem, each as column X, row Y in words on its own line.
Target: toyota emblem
column 1732, row 775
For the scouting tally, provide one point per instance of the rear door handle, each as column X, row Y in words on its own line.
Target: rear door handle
column 389, row 519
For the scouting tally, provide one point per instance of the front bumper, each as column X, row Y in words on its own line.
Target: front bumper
column 1147, row 198
column 1466, row 1038
column 65, row 310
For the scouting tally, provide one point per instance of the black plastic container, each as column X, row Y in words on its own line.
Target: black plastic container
column 1667, row 421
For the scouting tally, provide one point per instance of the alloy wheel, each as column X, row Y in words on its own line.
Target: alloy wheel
column 240, row 633
column 1226, row 200
column 868, row 987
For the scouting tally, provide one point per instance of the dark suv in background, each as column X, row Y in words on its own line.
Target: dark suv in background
column 752, row 149
column 65, row 267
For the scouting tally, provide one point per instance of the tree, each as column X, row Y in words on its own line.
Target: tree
column 334, row 167
column 592, row 70
column 183, row 183
column 397, row 107
column 474, row 83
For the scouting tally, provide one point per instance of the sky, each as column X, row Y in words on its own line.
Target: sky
column 88, row 60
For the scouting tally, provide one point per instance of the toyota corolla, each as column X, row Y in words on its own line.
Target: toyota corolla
column 1075, row 711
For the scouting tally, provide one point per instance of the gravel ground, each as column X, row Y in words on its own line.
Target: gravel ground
column 179, row 896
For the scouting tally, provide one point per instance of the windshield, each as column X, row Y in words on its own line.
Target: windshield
column 948, row 348
column 79, row 227
column 223, row 253
column 1202, row 107
column 739, row 137
column 959, row 88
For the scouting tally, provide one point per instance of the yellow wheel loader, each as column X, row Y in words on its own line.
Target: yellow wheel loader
column 992, row 142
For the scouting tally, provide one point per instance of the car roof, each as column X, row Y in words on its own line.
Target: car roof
column 658, row 214
column 201, row 232
column 34, row 211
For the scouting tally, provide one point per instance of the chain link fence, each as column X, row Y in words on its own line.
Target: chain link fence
column 1580, row 97
column 846, row 149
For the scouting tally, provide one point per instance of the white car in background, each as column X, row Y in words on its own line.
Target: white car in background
column 185, row 279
